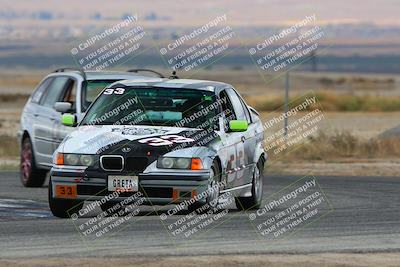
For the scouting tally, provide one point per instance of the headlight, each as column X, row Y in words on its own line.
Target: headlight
column 71, row 159
column 167, row 163
column 179, row 163
column 74, row 159
column 87, row 160
column 182, row 163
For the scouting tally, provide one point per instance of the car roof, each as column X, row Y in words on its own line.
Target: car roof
column 133, row 79
column 106, row 75
column 100, row 75
column 112, row 75
column 172, row 83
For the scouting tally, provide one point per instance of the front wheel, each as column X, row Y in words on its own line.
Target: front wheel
column 253, row 202
column 213, row 192
column 30, row 175
column 63, row 208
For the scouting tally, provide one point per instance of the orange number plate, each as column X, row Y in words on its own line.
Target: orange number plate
column 66, row 191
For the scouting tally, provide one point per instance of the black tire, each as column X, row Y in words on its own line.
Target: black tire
column 253, row 202
column 30, row 174
column 212, row 198
column 63, row 208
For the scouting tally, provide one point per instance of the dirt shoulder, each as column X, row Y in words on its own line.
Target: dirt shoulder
column 349, row 167
column 308, row 260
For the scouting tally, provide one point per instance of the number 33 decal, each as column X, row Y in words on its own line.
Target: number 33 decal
column 117, row 91
column 165, row 140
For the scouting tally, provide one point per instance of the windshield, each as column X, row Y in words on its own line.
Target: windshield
column 92, row 89
column 154, row 106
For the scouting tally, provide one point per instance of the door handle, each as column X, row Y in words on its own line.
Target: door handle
column 35, row 114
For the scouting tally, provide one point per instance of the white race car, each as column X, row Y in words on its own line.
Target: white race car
column 173, row 140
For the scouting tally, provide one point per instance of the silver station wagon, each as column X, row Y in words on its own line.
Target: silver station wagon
column 66, row 90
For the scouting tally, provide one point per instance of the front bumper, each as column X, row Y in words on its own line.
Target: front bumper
column 158, row 188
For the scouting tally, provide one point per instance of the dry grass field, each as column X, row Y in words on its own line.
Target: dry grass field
column 357, row 108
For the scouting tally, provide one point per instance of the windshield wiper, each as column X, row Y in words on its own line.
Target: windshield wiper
column 99, row 123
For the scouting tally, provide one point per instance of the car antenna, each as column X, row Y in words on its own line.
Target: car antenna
column 174, row 76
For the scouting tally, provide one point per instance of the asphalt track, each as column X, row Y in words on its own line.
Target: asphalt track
column 363, row 215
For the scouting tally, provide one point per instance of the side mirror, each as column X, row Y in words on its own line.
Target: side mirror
column 62, row 107
column 68, row 119
column 238, row 126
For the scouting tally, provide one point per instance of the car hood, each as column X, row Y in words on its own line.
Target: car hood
column 117, row 139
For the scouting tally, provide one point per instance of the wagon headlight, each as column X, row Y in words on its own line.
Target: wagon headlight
column 179, row 163
column 74, row 159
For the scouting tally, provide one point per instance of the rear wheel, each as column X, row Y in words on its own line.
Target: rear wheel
column 253, row 202
column 63, row 208
column 30, row 175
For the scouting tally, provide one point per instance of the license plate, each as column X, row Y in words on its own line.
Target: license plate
column 66, row 191
column 123, row 183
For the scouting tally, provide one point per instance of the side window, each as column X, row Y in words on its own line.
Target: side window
column 37, row 95
column 69, row 94
column 227, row 106
column 54, row 91
column 245, row 108
column 237, row 105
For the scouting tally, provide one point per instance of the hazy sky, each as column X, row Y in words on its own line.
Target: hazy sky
column 188, row 12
